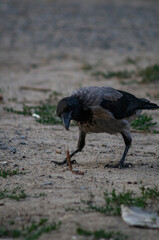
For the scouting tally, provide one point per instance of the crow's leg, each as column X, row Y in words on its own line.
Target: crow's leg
column 80, row 146
column 121, row 164
column 127, row 140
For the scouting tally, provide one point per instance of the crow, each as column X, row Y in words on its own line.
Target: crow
column 102, row 110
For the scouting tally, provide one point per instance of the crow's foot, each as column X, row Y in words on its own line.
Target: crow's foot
column 63, row 162
column 119, row 165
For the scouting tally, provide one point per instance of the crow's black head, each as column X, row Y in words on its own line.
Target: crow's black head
column 67, row 109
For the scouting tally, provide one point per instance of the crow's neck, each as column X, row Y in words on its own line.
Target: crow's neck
column 84, row 115
column 80, row 114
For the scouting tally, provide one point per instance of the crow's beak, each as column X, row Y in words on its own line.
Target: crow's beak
column 66, row 118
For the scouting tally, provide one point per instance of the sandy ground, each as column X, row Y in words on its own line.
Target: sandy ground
column 45, row 44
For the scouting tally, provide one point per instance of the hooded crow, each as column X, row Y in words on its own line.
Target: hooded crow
column 102, row 109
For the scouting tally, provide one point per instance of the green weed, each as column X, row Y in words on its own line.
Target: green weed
column 129, row 82
column 15, row 233
column 4, row 173
column 46, row 113
column 42, row 195
column 16, row 194
column 149, row 74
column 54, row 96
column 154, row 96
column 101, row 234
column 32, row 232
column 143, row 122
column 110, row 74
column 113, row 201
column 12, row 99
column 130, row 61
column 86, row 67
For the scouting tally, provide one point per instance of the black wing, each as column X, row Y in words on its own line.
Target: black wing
column 125, row 106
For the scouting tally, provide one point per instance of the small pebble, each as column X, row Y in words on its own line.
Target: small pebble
column 47, row 183
column 48, row 151
column 23, row 143
column 13, row 150
column 74, row 237
column 129, row 182
column 15, row 165
column 75, row 170
column 58, row 151
column 60, row 177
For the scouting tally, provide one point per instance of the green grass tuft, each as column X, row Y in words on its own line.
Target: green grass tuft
column 130, row 61
column 110, row 74
column 143, row 122
column 149, row 74
column 4, row 173
column 86, row 67
column 46, row 112
column 101, row 234
column 113, row 201
column 16, row 194
column 32, row 232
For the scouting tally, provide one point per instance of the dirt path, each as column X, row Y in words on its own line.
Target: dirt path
column 46, row 44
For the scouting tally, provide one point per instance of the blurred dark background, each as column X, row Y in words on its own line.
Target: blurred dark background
column 32, row 26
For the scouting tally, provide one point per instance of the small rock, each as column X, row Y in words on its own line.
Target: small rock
column 48, row 151
column 34, row 65
column 129, row 182
column 74, row 237
column 60, row 177
column 23, row 143
column 47, row 184
column 23, row 137
column 75, row 170
column 58, row 151
column 12, row 149
column 15, row 165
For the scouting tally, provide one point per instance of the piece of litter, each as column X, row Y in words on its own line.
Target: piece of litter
column 35, row 115
column 75, row 171
column 136, row 216
column 4, row 164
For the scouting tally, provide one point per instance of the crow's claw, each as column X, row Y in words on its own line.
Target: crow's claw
column 73, row 161
column 63, row 162
column 119, row 165
column 111, row 166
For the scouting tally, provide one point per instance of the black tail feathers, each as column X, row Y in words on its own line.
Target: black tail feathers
column 148, row 105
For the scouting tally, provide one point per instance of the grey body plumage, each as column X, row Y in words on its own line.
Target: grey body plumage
column 102, row 109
